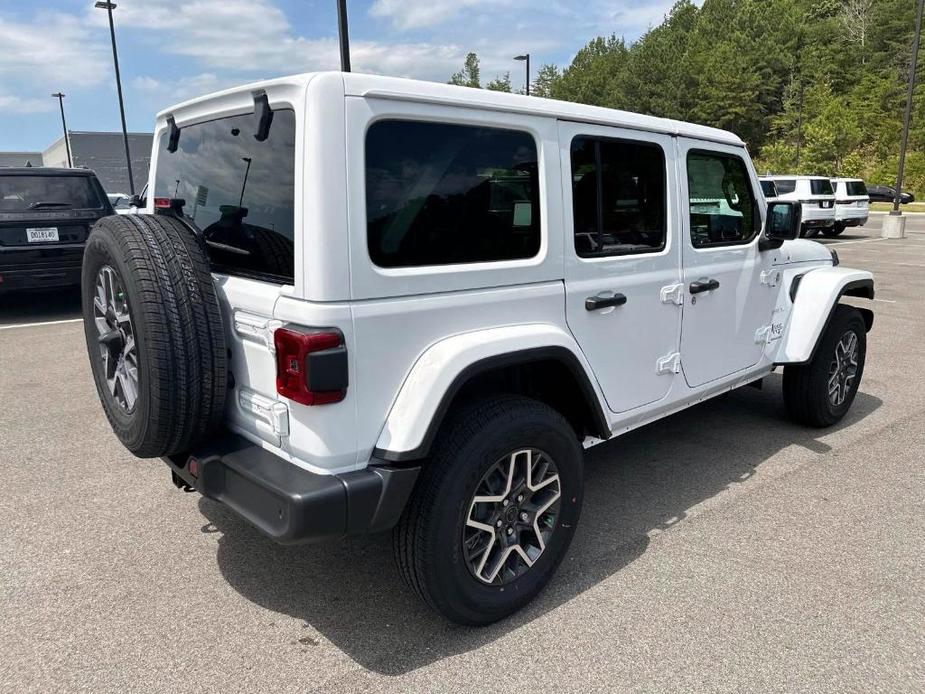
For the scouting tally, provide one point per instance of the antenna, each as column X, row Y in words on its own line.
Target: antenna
column 343, row 35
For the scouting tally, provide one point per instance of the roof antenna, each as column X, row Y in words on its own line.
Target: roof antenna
column 342, row 34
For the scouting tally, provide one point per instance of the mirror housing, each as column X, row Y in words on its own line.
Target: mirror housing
column 137, row 201
column 783, row 224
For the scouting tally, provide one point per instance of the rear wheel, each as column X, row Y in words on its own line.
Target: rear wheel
column 820, row 392
column 834, row 230
column 494, row 511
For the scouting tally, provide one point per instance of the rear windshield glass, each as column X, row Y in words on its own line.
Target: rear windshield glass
column 821, row 186
column 786, row 185
column 769, row 189
column 23, row 193
column 856, row 188
column 238, row 191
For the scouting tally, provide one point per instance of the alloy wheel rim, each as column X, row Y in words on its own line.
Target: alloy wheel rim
column 844, row 368
column 116, row 338
column 511, row 516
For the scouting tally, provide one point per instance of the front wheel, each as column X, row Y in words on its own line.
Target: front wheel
column 494, row 511
column 820, row 392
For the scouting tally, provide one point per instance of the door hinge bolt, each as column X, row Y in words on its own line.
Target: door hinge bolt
column 670, row 364
column 672, row 294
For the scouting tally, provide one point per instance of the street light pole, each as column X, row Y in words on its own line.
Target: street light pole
column 525, row 57
column 905, row 137
column 67, row 145
column 109, row 7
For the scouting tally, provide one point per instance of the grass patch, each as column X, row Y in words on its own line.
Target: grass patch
column 887, row 206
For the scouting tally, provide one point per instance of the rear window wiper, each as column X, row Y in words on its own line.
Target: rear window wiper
column 47, row 203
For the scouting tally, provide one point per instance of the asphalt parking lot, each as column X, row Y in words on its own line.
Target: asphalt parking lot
column 723, row 548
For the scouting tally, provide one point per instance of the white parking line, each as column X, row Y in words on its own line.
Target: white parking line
column 34, row 325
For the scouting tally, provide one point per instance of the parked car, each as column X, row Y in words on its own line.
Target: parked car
column 412, row 305
column 122, row 203
column 888, row 194
column 769, row 189
column 852, row 204
column 817, row 197
column 45, row 217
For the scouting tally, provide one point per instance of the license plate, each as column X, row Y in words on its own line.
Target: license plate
column 41, row 234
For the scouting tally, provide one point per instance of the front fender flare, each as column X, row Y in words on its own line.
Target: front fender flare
column 445, row 366
column 814, row 300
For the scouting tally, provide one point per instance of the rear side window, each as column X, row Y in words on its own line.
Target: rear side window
column 769, row 189
column 439, row 194
column 785, row 185
column 821, row 186
column 722, row 205
column 856, row 188
column 28, row 193
column 238, row 191
column 618, row 197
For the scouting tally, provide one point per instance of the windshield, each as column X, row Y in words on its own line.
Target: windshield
column 24, row 193
column 239, row 191
column 821, row 186
column 769, row 189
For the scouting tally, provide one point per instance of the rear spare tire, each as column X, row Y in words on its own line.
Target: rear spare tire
column 154, row 332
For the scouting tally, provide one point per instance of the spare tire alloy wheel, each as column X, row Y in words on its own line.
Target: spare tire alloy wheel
column 113, row 320
column 512, row 516
column 844, row 368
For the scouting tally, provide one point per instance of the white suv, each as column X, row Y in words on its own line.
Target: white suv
column 358, row 303
column 852, row 204
column 816, row 195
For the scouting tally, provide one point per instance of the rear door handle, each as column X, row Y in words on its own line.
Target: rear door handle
column 593, row 303
column 703, row 286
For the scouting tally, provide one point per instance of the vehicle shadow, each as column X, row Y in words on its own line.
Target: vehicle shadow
column 646, row 480
column 39, row 305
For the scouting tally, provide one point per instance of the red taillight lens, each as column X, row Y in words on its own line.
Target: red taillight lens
column 162, row 203
column 311, row 366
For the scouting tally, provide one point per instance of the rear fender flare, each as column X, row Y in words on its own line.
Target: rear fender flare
column 440, row 372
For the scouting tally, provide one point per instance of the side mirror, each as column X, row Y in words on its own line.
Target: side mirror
column 137, row 201
column 783, row 224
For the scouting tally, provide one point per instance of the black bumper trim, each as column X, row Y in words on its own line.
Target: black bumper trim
column 288, row 503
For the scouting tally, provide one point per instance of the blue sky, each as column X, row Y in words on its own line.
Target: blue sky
column 170, row 51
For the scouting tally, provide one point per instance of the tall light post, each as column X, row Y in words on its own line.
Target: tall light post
column 526, row 58
column 109, row 7
column 343, row 35
column 67, row 145
column 894, row 226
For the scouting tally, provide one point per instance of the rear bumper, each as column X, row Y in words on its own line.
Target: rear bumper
column 288, row 503
column 40, row 268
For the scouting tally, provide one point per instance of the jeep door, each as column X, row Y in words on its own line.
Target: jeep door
column 622, row 258
column 726, row 277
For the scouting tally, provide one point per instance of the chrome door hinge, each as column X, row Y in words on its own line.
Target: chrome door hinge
column 670, row 364
column 763, row 335
column 672, row 294
column 274, row 414
column 261, row 329
column 770, row 277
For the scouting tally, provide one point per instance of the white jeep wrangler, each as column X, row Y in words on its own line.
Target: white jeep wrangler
column 358, row 303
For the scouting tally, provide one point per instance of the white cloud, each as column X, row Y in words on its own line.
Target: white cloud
column 417, row 14
column 10, row 104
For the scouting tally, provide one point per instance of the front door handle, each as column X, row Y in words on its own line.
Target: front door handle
column 593, row 303
column 703, row 286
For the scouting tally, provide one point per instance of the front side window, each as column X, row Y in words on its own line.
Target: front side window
column 821, row 186
column 722, row 205
column 618, row 197
column 440, row 194
column 786, row 185
column 239, row 191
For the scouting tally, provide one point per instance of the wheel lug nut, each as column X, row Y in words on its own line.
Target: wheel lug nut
column 510, row 530
column 505, row 502
column 524, row 517
column 520, row 497
column 498, row 524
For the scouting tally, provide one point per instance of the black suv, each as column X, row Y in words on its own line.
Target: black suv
column 45, row 217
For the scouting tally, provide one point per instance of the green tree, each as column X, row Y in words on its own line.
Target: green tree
column 545, row 81
column 469, row 76
column 502, row 83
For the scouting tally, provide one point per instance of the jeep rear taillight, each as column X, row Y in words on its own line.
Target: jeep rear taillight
column 311, row 366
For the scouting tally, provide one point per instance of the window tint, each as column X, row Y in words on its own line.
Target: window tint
column 821, row 186
column 65, row 192
column 722, row 205
column 769, row 189
column 438, row 193
column 785, row 185
column 618, row 196
column 856, row 188
column 238, row 191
